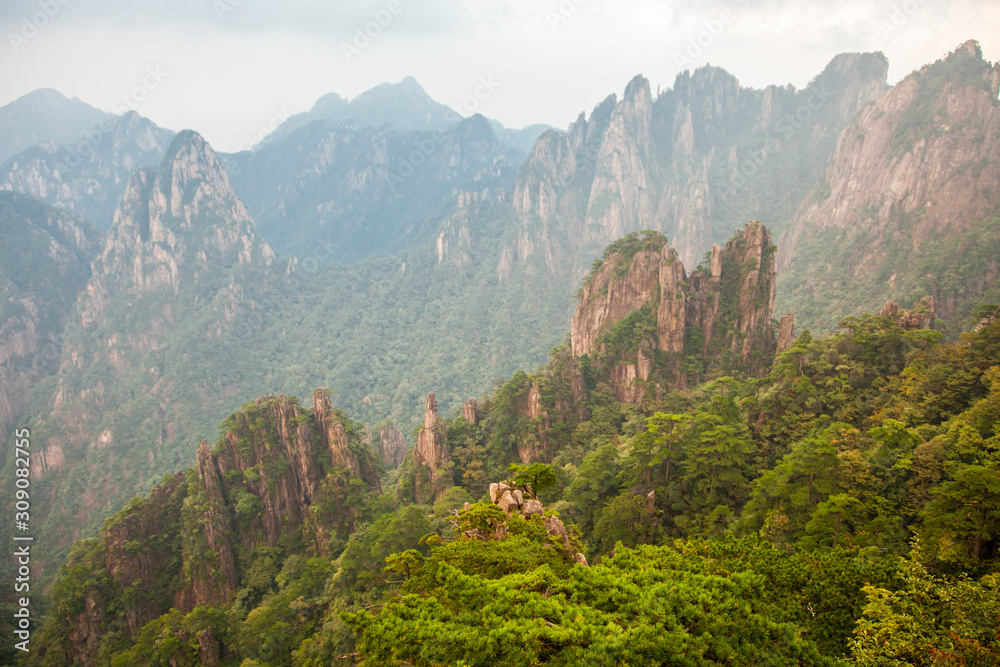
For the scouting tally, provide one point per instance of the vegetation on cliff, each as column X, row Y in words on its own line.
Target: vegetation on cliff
column 841, row 507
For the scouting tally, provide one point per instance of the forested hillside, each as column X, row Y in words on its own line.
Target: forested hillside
column 838, row 505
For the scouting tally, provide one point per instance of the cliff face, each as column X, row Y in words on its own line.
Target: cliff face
column 389, row 444
column 695, row 162
column 89, row 175
column 183, row 260
column 45, row 259
column 430, row 456
column 278, row 467
column 639, row 307
column 912, row 186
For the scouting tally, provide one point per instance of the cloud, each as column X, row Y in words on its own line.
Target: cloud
column 314, row 16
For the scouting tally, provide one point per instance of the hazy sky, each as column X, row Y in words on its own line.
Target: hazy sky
column 232, row 68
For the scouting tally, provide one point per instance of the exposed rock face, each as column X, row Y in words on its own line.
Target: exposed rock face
column 914, row 173
column 39, row 284
column 512, row 500
column 390, row 445
column 178, row 547
column 470, row 411
column 173, row 225
column 89, row 175
column 786, row 332
column 431, row 455
column 921, row 317
column 686, row 164
column 741, row 276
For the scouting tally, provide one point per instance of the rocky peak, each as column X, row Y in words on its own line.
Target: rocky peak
column 88, row 175
column 690, row 164
column 920, row 317
column 431, row 455
column 174, row 224
column 917, row 168
column 639, row 300
column 181, row 546
column 512, row 500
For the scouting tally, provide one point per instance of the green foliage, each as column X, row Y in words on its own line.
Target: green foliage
column 930, row 621
column 643, row 607
column 534, row 478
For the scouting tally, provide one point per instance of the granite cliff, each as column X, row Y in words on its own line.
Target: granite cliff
column 279, row 472
column 908, row 205
column 694, row 162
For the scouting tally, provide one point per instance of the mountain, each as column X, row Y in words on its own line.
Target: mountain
column 909, row 204
column 765, row 518
column 695, row 163
column 523, row 139
column 341, row 194
column 45, row 115
column 171, row 268
column 46, row 256
column 88, row 177
column 188, row 313
column 259, row 487
column 406, row 106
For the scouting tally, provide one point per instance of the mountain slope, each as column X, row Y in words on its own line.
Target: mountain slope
column 341, row 194
column 45, row 259
column 695, row 163
column 404, row 105
column 88, row 177
column 909, row 204
column 44, row 115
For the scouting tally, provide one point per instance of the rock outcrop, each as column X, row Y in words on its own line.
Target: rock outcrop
column 921, row 317
column 389, row 444
column 430, row 456
column 179, row 548
column 786, row 332
column 470, row 411
column 640, row 303
column 512, row 501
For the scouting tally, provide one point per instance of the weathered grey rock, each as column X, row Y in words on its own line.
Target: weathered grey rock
column 531, row 508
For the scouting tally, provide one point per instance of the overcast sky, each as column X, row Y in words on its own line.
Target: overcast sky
column 231, row 68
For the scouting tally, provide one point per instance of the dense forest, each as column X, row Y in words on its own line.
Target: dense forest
column 839, row 506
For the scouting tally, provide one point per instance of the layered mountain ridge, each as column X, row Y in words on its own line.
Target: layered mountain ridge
column 695, row 163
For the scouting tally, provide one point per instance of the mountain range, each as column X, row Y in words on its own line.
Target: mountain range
column 381, row 251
